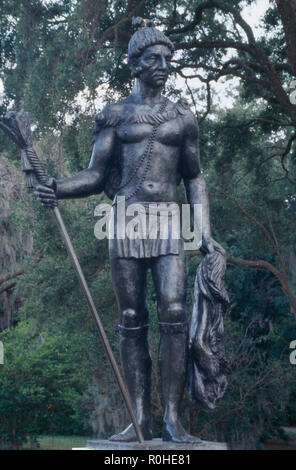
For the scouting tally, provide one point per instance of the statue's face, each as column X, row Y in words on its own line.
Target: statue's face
column 154, row 64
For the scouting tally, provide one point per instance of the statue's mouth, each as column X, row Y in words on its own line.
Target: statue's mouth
column 160, row 76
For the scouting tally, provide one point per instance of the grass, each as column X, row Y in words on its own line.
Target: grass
column 60, row 442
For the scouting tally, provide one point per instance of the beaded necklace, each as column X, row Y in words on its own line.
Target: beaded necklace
column 147, row 154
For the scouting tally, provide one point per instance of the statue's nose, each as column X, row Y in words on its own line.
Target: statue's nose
column 163, row 63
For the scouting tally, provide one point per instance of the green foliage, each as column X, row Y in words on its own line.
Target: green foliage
column 259, row 389
column 39, row 386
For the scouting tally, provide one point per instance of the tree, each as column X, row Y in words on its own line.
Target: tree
column 39, row 388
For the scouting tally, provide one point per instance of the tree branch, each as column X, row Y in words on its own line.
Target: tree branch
column 278, row 274
column 283, row 156
column 19, row 272
column 8, row 277
column 251, row 48
column 252, row 218
column 227, row 44
column 265, row 265
column 8, row 287
column 287, row 10
column 221, row 6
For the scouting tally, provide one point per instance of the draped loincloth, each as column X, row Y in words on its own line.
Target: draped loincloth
column 147, row 230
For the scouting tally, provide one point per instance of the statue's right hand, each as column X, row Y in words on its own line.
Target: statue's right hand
column 46, row 194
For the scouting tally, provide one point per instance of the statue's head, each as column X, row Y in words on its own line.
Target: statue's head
column 149, row 53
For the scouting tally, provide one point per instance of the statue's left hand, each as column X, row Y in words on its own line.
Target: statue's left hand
column 209, row 245
column 47, row 194
column 218, row 247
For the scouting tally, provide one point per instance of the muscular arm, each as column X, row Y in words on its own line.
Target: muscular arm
column 91, row 180
column 195, row 185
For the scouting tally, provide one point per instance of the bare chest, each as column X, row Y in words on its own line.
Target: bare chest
column 168, row 133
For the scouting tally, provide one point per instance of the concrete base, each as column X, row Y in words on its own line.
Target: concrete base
column 155, row 444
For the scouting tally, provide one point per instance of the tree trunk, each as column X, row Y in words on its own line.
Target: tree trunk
column 15, row 242
column 287, row 10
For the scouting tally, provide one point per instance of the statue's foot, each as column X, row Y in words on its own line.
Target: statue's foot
column 129, row 435
column 174, row 432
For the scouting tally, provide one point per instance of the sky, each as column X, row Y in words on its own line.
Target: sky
column 252, row 15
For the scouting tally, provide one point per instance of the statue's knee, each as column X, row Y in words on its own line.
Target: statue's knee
column 174, row 313
column 129, row 318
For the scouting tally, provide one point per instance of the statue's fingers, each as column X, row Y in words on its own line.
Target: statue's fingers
column 210, row 247
column 51, row 183
column 41, row 195
column 48, row 202
column 45, row 200
column 219, row 248
column 44, row 189
column 222, row 251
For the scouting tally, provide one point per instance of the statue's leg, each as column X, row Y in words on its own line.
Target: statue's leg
column 129, row 278
column 169, row 274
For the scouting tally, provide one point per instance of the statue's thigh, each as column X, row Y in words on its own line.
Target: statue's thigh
column 170, row 275
column 129, row 281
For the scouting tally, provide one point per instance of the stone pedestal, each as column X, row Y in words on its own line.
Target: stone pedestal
column 155, row 444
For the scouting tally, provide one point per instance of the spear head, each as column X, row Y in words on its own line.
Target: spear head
column 17, row 126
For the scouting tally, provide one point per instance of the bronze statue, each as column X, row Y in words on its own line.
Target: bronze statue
column 143, row 147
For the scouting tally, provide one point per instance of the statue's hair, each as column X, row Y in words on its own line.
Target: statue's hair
column 146, row 36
